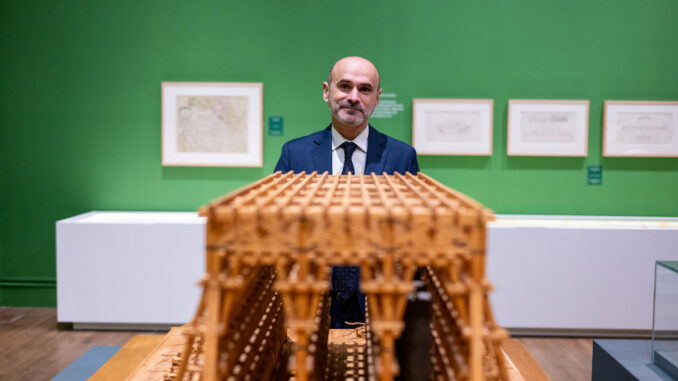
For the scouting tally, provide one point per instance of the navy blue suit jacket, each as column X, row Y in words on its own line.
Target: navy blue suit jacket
column 314, row 153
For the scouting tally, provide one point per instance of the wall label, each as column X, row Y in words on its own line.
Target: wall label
column 595, row 175
column 275, row 125
column 387, row 107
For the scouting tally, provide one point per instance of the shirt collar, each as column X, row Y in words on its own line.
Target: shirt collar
column 360, row 140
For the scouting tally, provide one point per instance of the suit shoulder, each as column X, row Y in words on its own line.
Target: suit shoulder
column 392, row 143
column 398, row 145
column 304, row 140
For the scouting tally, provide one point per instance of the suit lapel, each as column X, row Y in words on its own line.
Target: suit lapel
column 322, row 152
column 376, row 143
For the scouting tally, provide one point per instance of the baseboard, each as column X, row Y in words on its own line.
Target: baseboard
column 564, row 332
column 123, row 326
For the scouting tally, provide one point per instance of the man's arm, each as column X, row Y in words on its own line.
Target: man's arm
column 283, row 161
column 413, row 166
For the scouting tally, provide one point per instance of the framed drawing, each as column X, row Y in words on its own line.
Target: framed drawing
column 212, row 124
column 547, row 128
column 642, row 129
column 452, row 126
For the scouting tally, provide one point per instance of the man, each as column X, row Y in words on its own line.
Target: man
column 349, row 145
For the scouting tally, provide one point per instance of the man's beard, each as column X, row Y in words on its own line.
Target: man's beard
column 351, row 115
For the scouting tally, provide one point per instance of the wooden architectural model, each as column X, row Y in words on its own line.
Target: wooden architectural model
column 270, row 247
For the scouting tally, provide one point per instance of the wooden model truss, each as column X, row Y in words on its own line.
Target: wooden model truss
column 270, row 246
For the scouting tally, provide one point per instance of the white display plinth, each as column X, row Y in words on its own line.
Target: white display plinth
column 552, row 274
column 129, row 268
column 558, row 273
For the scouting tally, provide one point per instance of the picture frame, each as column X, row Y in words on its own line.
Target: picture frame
column 452, row 126
column 212, row 124
column 640, row 129
column 547, row 128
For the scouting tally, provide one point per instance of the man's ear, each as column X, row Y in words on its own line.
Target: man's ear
column 378, row 95
column 326, row 91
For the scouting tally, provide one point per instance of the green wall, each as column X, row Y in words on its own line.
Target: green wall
column 80, row 99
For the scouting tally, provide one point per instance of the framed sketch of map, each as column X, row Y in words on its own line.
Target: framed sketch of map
column 548, row 128
column 212, row 124
column 643, row 129
column 452, row 126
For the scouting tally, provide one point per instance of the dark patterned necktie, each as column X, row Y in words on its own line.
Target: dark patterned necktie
column 349, row 148
column 345, row 278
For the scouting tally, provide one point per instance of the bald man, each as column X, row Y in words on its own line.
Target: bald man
column 349, row 145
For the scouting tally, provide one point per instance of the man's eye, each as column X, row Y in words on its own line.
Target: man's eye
column 365, row 89
column 344, row 86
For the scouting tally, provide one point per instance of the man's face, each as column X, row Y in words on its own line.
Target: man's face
column 353, row 92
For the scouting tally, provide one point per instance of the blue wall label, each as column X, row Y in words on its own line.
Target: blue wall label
column 275, row 125
column 595, row 175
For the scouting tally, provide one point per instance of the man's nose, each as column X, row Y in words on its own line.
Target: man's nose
column 353, row 95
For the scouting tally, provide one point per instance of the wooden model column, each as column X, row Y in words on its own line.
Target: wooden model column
column 389, row 278
column 302, row 270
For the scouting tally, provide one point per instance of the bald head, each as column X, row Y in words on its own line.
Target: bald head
column 354, row 62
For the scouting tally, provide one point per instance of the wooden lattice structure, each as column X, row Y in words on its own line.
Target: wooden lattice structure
column 270, row 247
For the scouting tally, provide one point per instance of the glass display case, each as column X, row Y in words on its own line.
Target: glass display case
column 665, row 317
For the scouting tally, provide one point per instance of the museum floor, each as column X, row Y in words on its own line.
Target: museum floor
column 31, row 347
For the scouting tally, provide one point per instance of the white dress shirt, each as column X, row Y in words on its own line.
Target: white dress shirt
column 359, row 156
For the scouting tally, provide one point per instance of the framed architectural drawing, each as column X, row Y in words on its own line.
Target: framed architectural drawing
column 452, row 126
column 547, row 128
column 212, row 124
column 643, row 129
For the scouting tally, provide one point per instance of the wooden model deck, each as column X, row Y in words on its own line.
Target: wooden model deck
column 270, row 247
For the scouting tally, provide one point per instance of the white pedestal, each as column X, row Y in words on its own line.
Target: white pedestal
column 129, row 268
column 576, row 273
column 552, row 274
